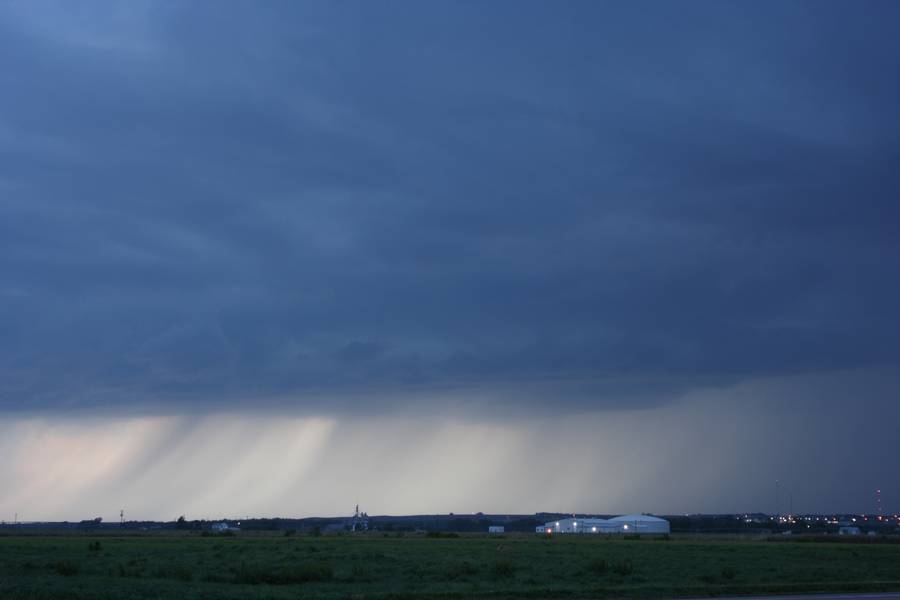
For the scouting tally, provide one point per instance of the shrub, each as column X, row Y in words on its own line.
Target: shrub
column 134, row 568
column 441, row 534
column 623, row 567
column 598, row 566
column 177, row 572
column 66, row 568
column 320, row 571
column 462, row 569
column 94, row 546
column 289, row 532
column 503, row 568
column 728, row 573
column 256, row 574
column 359, row 573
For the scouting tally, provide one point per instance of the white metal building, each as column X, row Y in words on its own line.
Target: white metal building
column 642, row 524
column 625, row 524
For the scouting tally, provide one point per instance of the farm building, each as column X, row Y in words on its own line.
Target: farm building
column 642, row 524
column 579, row 525
column 496, row 529
column 624, row 524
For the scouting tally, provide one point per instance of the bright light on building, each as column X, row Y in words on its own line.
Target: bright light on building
column 624, row 524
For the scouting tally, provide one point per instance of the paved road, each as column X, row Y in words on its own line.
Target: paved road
column 844, row 596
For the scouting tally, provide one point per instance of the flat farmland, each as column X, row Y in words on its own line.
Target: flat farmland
column 375, row 566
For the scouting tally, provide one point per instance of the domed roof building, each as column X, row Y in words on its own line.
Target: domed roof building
column 626, row 524
column 642, row 524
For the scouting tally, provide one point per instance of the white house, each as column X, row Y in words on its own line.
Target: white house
column 496, row 529
column 223, row 527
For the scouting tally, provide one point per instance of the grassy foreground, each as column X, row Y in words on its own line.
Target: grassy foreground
column 515, row 566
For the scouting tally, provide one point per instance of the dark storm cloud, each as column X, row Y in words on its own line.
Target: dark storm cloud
column 205, row 202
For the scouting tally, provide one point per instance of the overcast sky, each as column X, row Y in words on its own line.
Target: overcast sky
column 615, row 247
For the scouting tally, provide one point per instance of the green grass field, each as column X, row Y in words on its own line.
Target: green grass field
column 187, row 567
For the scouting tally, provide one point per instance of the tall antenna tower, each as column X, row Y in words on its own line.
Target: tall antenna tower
column 777, row 499
column 122, row 518
column 878, row 503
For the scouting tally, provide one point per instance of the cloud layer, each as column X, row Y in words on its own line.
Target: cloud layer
column 292, row 200
column 316, row 229
column 697, row 454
